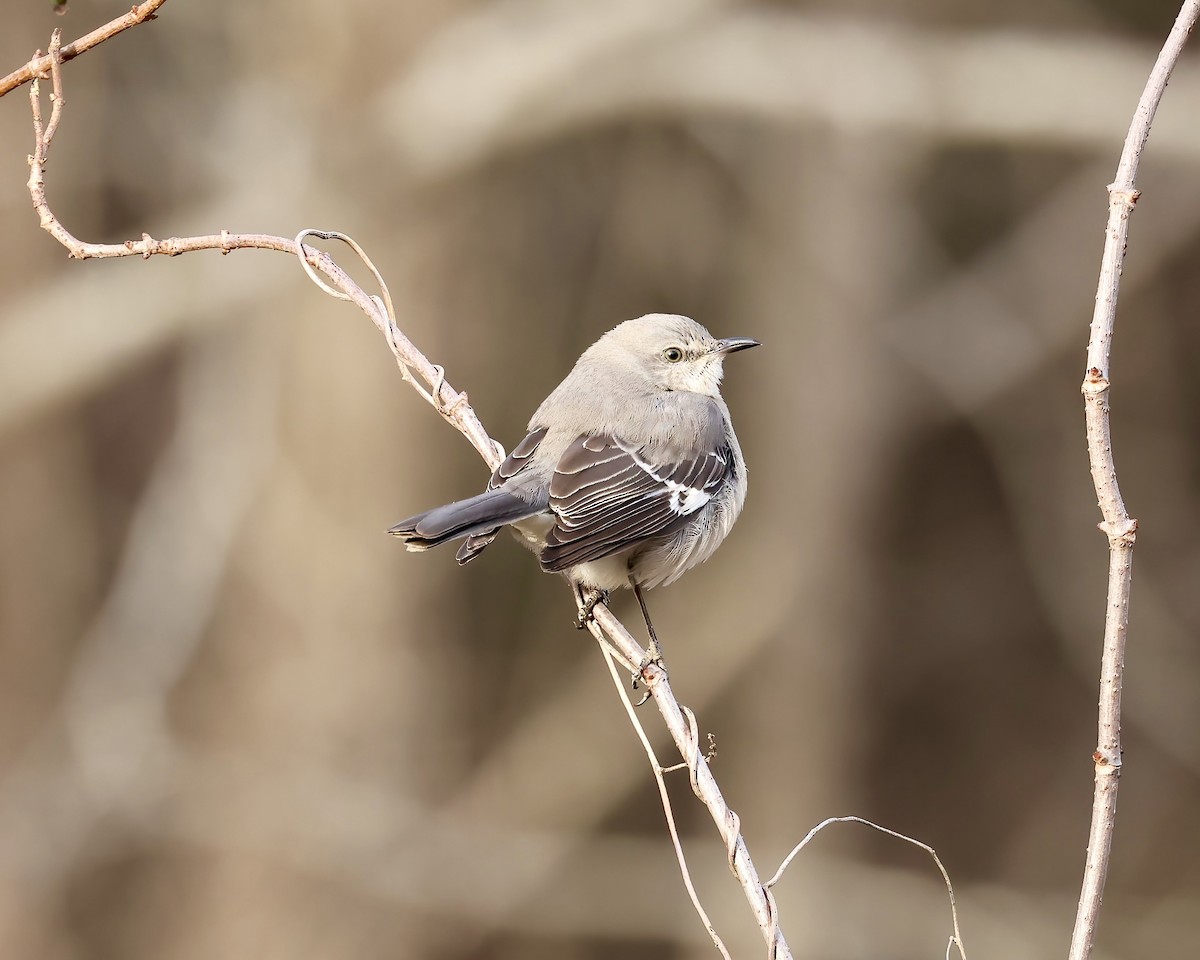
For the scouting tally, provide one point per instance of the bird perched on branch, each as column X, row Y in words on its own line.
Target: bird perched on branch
column 630, row 475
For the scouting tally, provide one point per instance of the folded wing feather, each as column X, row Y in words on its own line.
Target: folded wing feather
column 608, row 495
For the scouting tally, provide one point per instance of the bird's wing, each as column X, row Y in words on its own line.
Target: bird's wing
column 516, row 461
column 513, row 464
column 608, row 495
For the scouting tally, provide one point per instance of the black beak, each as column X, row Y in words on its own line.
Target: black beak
column 734, row 344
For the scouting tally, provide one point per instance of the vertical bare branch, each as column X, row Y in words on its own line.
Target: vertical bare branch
column 1120, row 528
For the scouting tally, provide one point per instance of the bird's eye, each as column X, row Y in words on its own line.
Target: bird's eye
column 672, row 354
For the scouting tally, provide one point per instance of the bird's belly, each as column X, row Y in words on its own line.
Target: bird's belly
column 692, row 545
column 531, row 531
column 607, row 573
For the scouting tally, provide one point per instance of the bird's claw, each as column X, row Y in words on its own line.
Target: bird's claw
column 587, row 613
column 653, row 656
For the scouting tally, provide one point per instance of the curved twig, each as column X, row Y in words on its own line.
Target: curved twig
column 956, row 940
column 451, row 404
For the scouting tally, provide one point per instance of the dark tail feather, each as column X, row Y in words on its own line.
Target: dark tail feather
column 483, row 514
column 473, row 546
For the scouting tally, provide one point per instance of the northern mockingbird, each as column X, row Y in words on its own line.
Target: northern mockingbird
column 630, row 475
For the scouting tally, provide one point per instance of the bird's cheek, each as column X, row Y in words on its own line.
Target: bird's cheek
column 712, row 377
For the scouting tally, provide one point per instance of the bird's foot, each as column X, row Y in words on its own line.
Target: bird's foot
column 587, row 612
column 653, row 656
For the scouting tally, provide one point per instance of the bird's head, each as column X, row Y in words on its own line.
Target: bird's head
column 673, row 352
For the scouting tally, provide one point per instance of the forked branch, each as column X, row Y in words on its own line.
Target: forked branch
column 39, row 66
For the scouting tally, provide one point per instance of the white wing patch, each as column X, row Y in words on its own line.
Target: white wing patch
column 608, row 496
column 684, row 500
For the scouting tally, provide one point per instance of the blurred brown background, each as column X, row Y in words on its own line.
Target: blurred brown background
column 236, row 720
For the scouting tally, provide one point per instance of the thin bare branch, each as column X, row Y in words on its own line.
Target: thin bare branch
column 956, row 940
column 664, row 795
column 607, row 629
column 451, row 404
column 1118, row 526
column 455, row 409
column 40, row 64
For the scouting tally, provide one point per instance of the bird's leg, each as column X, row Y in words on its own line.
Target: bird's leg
column 654, row 650
column 587, row 604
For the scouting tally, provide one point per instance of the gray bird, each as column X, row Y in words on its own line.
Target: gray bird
column 630, row 475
